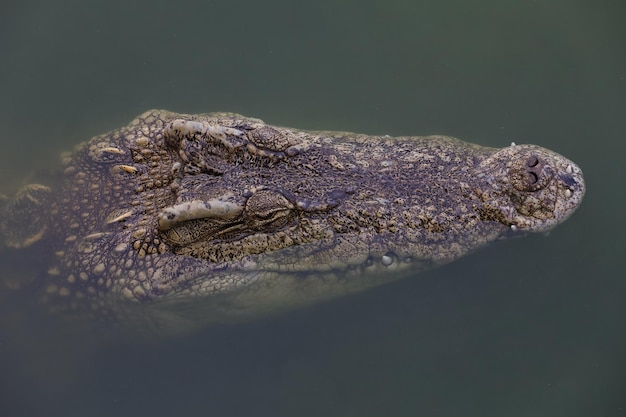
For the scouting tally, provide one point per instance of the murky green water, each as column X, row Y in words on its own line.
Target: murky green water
column 534, row 327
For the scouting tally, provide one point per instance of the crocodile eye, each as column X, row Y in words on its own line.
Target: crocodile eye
column 267, row 209
column 269, row 138
column 530, row 173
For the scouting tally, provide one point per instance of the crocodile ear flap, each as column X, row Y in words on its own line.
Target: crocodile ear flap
column 190, row 221
column 215, row 209
column 23, row 219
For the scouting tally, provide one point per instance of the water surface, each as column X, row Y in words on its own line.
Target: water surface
column 532, row 327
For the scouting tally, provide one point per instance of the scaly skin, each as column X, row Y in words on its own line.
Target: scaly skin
column 208, row 217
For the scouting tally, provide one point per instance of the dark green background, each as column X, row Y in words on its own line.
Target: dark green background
column 532, row 327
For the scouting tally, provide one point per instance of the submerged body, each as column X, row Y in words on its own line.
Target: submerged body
column 207, row 217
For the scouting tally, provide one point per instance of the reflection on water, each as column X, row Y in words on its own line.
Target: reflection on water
column 533, row 327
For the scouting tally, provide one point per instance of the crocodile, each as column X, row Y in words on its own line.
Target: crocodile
column 182, row 218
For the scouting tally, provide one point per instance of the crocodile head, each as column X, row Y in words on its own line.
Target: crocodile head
column 198, row 218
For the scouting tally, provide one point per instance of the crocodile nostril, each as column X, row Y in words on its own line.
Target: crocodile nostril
column 531, row 172
column 532, row 161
